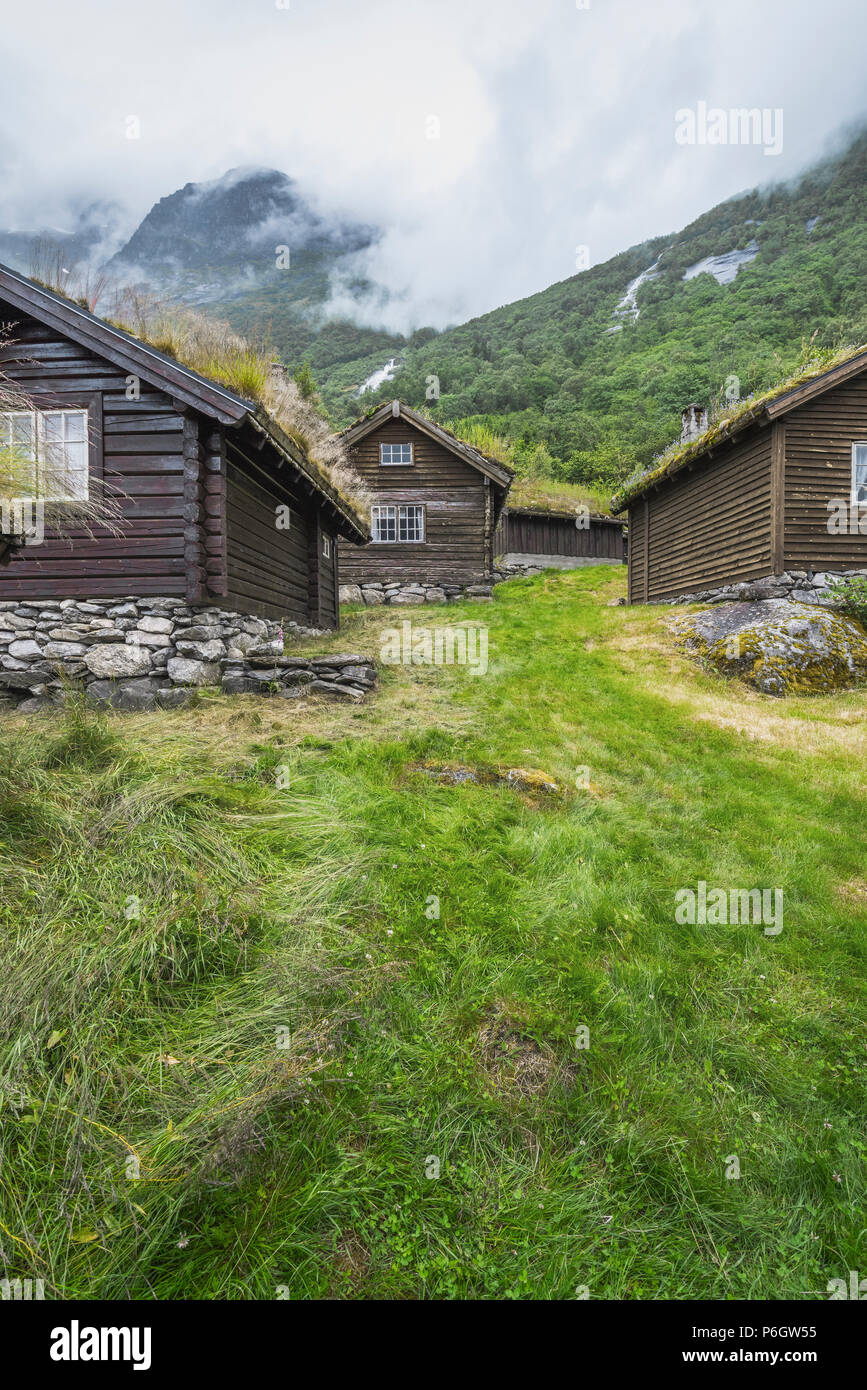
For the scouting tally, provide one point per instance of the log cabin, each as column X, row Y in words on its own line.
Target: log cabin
column 546, row 538
column 217, row 504
column 779, row 487
column 437, row 501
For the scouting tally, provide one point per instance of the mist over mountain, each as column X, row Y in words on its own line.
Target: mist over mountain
column 587, row 376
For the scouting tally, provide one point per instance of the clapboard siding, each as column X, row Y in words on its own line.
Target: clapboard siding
column 706, row 526
column 637, row 572
column 819, row 439
column 543, row 533
column 453, row 493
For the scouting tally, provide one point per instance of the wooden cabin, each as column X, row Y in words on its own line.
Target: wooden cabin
column 437, row 502
column 558, row 539
column 218, row 506
column 783, row 487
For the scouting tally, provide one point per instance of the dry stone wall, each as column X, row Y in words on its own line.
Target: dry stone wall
column 134, row 653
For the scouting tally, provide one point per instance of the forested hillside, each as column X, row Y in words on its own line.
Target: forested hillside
column 589, row 386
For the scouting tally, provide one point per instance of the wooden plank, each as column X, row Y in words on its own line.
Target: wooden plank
column 778, row 495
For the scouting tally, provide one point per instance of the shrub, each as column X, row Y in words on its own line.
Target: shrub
column 851, row 597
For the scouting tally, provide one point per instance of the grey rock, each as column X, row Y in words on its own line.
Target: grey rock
column 113, row 660
column 777, row 645
column 16, row 680
column 103, row 634
column 185, row 670
column 151, row 624
column 174, row 699
column 154, row 640
column 374, row 597
column 123, row 610
column 239, row 685
column 35, row 705
column 350, row 593
column 202, row 651
column 334, row 691
column 62, row 650
column 24, row 648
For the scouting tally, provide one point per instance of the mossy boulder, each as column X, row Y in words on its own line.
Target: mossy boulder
column 778, row 646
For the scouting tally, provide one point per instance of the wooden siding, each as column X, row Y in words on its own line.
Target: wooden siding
column 637, row 572
column 453, row 494
column 709, row 525
column 819, row 439
column 140, row 449
column 268, row 570
column 544, row 534
column 197, row 500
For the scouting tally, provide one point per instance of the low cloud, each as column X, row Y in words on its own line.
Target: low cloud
column 488, row 142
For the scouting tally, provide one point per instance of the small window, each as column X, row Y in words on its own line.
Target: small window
column 48, row 450
column 326, row 547
column 859, row 475
column 390, row 525
column 392, row 454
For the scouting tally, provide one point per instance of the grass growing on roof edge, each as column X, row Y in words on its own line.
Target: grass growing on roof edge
column 304, row 1166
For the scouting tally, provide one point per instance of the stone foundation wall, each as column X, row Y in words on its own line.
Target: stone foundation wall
column 408, row 593
column 137, row 653
column 801, row 585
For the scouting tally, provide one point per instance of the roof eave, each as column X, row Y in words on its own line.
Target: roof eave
column 350, row 522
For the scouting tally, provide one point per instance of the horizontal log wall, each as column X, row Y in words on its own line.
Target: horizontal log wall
column 268, row 569
column 453, row 495
column 819, row 439
column 141, row 454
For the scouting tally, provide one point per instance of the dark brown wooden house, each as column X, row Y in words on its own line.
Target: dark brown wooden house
column 437, row 501
column 558, row 539
column 782, row 488
column 217, row 504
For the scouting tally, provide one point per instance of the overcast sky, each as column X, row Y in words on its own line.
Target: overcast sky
column 553, row 125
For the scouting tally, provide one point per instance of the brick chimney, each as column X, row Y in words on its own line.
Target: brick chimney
column 694, row 422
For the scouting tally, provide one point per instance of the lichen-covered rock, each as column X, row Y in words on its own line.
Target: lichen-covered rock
column 780, row 647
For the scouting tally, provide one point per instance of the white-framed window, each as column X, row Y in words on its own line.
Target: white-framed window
column 50, row 451
column 397, row 524
column 326, row 547
column 859, row 474
column 392, row 454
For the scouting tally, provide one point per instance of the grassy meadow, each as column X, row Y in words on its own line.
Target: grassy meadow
column 287, row 1010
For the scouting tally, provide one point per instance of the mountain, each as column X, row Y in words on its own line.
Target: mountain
column 92, row 237
column 250, row 247
column 588, row 377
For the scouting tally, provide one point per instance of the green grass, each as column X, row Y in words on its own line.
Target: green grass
column 283, row 858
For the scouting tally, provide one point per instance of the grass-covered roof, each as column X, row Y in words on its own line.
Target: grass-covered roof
column 731, row 420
